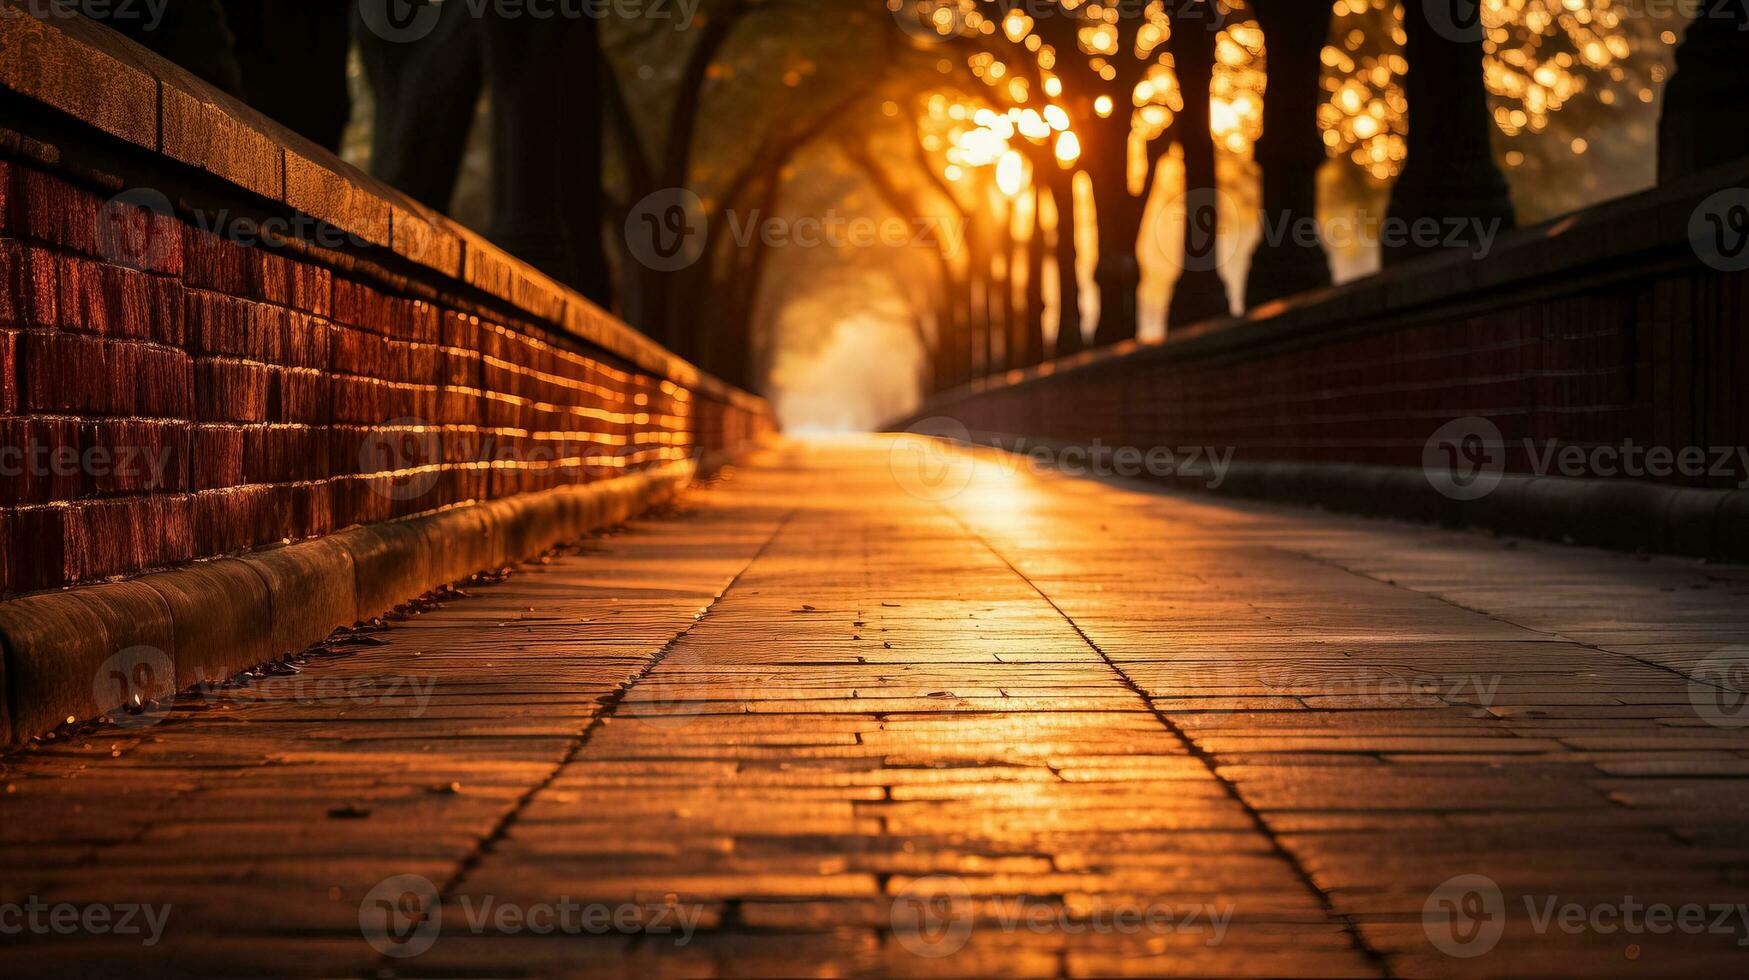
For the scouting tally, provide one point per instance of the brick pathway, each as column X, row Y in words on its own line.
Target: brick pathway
column 817, row 724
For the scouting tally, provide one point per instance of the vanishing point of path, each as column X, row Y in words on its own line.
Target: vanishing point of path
column 828, row 718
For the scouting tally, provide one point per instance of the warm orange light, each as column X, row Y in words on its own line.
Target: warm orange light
column 1011, row 173
column 1068, row 147
column 1103, row 106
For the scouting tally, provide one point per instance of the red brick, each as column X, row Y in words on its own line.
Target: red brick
column 422, row 364
column 355, row 351
column 8, row 547
column 52, row 210
column 314, row 509
column 363, row 401
column 230, row 391
column 312, row 289
column 118, row 537
column 28, row 288
column 270, row 276
column 39, row 560
column 110, row 537
column 173, row 516
column 167, row 244
column 93, row 376
column 353, row 303
column 217, row 457
column 459, row 368
column 284, row 454
column 8, row 372
column 267, row 331
column 232, row 519
column 216, row 323
column 107, row 300
column 39, row 461
column 298, row 396
column 211, row 262
column 421, row 323
column 131, row 456
column 458, row 331
column 307, row 342
column 140, row 237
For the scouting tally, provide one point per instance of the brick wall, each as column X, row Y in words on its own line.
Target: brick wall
column 1593, row 331
column 167, row 394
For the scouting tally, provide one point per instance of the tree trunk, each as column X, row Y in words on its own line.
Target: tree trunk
column 1030, row 346
column 1705, row 120
column 1069, row 338
column 539, row 163
column 1290, row 258
column 1450, row 181
column 292, row 54
column 424, row 92
column 1119, row 217
column 1199, row 294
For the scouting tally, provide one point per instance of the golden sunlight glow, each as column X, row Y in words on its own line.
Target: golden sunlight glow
column 1539, row 56
column 1068, row 148
column 1011, row 173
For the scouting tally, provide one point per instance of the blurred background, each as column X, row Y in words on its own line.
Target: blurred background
column 852, row 177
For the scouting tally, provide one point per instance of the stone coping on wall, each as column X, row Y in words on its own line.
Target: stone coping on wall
column 1622, row 515
column 1628, row 237
column 87, row 73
